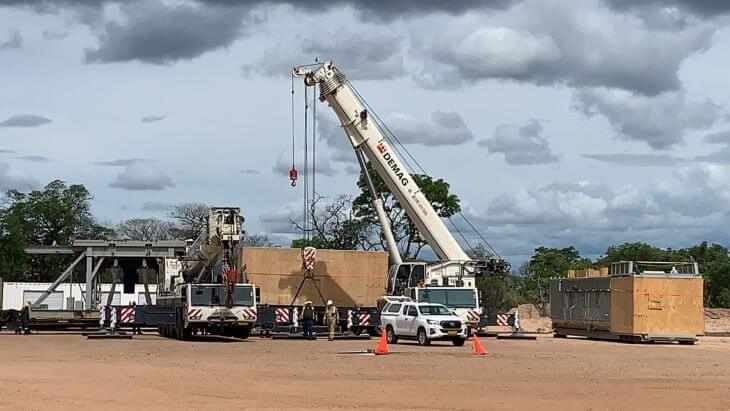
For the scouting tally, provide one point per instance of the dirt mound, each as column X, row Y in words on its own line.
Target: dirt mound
column 531, row 320
column 717, row 320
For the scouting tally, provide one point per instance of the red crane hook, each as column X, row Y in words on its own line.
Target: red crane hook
column 293, row 176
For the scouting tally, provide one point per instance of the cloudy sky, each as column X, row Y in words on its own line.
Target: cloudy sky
column 557, row 122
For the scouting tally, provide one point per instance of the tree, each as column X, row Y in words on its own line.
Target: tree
column 257, row 240
column 56, row 214
column 191, row 219
column 498, row 293
column 638, row 252
column 146, row 229
column 547, row 263
column 335, row 226
column 316, row 242
column 404, row 230
column 714, row 265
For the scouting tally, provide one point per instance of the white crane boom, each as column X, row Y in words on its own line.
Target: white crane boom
column 365, row 135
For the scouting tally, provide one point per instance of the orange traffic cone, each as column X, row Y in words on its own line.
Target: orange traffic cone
column 478, row 349
column 382, row 345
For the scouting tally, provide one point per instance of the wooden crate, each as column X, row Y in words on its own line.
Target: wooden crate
column 669, row 306
column 588, row 273
column 349, row 278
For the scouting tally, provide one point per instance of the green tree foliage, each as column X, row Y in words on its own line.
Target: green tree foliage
column 545, row 264
column 316, row 242
column 715, row 268
column 638, row 252
column 57, row 214
column 405, row 232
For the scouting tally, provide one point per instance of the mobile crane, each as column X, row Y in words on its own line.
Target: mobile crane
column 201, row 292
column 451, row 280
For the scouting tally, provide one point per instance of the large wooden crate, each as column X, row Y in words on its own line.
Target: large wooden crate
column 349, row 278
column 663, row 306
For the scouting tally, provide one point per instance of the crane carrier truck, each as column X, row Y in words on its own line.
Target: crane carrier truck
column 452, row 279
column 201, row 291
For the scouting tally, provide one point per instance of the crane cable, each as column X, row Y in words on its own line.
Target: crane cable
column 381, row 123
column 305, row 210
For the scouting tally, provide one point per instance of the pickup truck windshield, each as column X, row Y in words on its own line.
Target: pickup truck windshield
column 434, row 310
column 216, row 295
column 453, row 298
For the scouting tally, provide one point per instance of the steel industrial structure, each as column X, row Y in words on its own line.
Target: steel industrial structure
column 98, row 252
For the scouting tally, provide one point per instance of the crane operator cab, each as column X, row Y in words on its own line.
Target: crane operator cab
column 404, row 276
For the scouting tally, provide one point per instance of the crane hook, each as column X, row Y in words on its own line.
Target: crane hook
column 293, row 176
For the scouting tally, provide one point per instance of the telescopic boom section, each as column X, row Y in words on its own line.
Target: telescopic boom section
column 365, row 135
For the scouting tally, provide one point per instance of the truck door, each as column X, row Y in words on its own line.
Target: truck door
column 412, row 324
column 402, row 321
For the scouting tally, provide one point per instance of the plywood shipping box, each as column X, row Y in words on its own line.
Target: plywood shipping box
column 588, row 273
column 349, row 278
column 657, row 305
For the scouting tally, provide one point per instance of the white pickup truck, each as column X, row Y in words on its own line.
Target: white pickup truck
column 423, row 322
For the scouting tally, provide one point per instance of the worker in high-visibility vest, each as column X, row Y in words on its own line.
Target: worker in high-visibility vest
column 332, row 317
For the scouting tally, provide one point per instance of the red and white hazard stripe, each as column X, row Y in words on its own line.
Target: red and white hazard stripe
column 249, row 312
column 363, row 319
column 472, row 315
column 195, row 313
column 282, row 315
column 309, row 257
column 127, row 314
column 502, row 319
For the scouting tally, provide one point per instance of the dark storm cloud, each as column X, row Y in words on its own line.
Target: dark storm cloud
column 521, row 145
column 121, row 162
column 521, row 44
column 34, row 159
column 156, row 206
column 377, row 56
column 384, row 9
column 161, row 34
column 691, row 200
column 25, row 120
column 660, row 121
column 704, row 8
column 153, row 119
column 722, row 137
column 142, row 176
column 14, row 41
column 54, row 34
column 639, row 160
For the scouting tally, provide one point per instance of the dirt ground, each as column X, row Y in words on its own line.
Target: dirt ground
column 62, row 371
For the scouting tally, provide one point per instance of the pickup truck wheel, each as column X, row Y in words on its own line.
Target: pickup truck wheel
column 422, row 338
column 459, row 342
column 390, row 335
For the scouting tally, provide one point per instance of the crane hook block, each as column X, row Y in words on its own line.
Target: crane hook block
column 293, row 176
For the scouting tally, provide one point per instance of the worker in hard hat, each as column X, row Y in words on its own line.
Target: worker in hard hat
column 308, row 320
column 332, row 317
column 24, row 319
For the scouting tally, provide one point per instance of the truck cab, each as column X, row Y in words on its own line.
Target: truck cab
column 423, row 322
column 462, row 301
column 202, row 308
column 421, row 283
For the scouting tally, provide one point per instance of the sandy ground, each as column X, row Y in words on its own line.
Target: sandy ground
column 67, row 371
